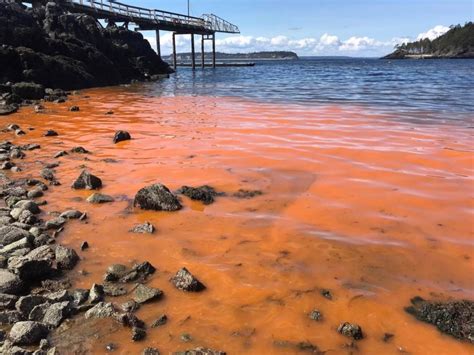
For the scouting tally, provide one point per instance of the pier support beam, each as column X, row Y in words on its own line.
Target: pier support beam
column 193, row 56
column 158, row 49
column 214, row 50
column 202, row 52
column 174, row 51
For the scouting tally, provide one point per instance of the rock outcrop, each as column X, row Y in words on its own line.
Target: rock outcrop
column 46, row 48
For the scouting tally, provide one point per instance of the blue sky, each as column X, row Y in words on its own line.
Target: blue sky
column 321, row 27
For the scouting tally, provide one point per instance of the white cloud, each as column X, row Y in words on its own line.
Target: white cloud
column 328, row 40
column 433, row 33
column 327, row 44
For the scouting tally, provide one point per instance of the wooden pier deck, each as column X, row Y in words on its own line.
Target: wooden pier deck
column 152, row 19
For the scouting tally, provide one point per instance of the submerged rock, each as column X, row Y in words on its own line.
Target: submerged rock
column 51, row 133
column 205, row 193
column 55, row 223
column 351, row 330
column 87, row 181
column 79, row 150
column 60, row 154
column 316, row 315
column 145, row 228
column 161, row 320
column 138, row 334
column 143, row 294
column 201, row 351
column 157, row 197
column 99, row 198
column 242, row 193
column 185, row 281
column 121, row 136
column 71, row 214
column 48, row 174
column 455, row 318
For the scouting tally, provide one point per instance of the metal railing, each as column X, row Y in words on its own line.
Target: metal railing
column 207, row 22
column 219, row 24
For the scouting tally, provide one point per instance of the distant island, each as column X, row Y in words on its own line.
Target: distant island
column 275, row 55
column 458, row 42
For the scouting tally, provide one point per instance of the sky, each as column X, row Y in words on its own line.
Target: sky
column 360, row 28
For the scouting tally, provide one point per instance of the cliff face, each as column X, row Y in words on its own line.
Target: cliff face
column 458, row 42
column 57, row 49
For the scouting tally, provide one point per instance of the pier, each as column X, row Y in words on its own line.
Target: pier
column 146, row 19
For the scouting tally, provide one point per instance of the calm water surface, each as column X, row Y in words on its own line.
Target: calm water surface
column 416, row 89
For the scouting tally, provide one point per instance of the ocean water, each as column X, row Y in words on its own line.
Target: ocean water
column 420, row 90
column 365, row 170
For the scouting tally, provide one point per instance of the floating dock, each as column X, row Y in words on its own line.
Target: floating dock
column 219, row 64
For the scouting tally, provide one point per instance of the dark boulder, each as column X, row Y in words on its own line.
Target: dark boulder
column 96, row 293
column 157, row 197
column 48, row 174
column 185, row 281
column 25, row 304
column 7, row 301
column 121, row 136
column 52, row 314
column 87, row 181
column 161, row 320
column 66, row 258
column 114, row 290
column 10, row 234
column 150, row 351
column 71, row 214
column 60, row 154
column 101, row 310
column 51, row 133
column 79, row 150
column 28, row 333
column 8, row 109
column 145, row 228
column 351, row 330
column 115, row 272
column 455, row 318
column 315, row 315
column 130, row 306
column 10, row 283
column 30, row 270
column 29, row 91
column 138, row 334
column 55, row 223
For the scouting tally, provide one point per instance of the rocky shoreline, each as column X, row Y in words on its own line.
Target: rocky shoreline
column 45, row 51
column 36, row 293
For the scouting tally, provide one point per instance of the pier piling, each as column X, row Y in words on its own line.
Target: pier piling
column 158, row 49
column 174, row 51
column 202, row 52
column 193, row 56
column 213, row 50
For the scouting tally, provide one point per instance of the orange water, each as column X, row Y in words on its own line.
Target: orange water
column 373, row 208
